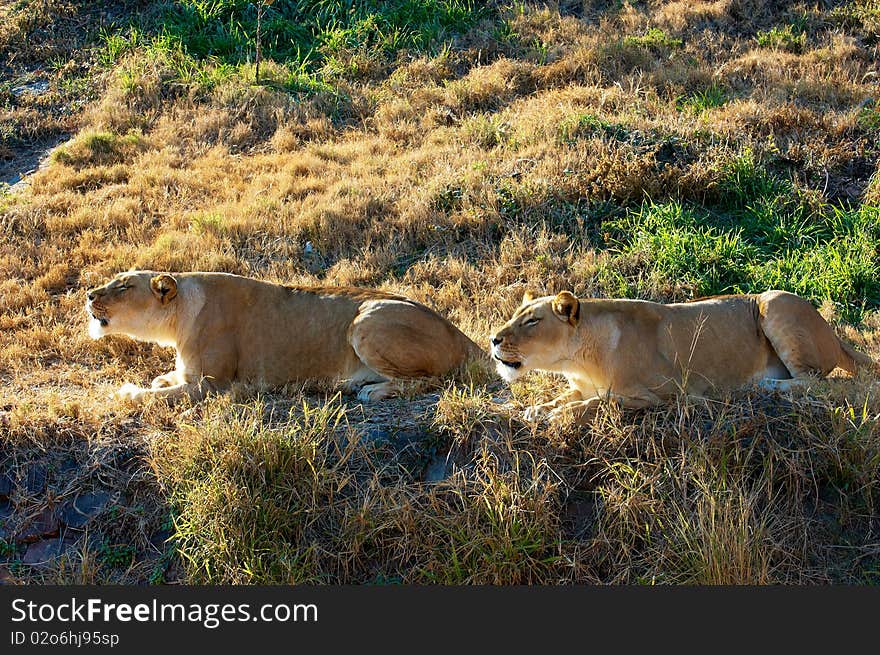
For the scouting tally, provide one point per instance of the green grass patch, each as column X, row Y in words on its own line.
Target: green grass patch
column 653, row 39
column 679, row 245
column 700, row 101
column 869, row 118
column 860, row 14
column 7, row 548
column 98, row 147
column 581, row 126
column 116, row 555
column 774, row 244
column 744, row 180
column 202, row 41
column 790, row 38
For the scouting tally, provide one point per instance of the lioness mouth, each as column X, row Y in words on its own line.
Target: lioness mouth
column 510, row 364
column 103, row 321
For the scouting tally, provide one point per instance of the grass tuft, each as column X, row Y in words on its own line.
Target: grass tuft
column 654, row 39
column 788, row 38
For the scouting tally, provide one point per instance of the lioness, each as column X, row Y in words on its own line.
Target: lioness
column 226, row 327
column 641, row 353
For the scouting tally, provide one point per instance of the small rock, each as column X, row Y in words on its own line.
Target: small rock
column 35, row 479
column 396, row 438
column 159, row 538
column 45, row 524
column 436, row 470
column 84, row 508
column 36, row 88
column 43, row 552
column 5, row 486
column 5, row 514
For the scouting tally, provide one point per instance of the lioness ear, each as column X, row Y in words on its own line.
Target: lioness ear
column 164, row 287
column 567, row 307
column 528, row 297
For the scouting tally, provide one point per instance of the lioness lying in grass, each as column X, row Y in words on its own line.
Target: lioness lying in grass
column 227, row 327
column 642, row 353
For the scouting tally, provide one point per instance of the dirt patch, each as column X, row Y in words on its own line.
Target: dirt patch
column 27, row 159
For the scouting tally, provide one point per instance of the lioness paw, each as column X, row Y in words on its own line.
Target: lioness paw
column 130, row 392
column 370, row 393
column 162, row 381
column 536, row 413
column 580, row 412
column 558, row 414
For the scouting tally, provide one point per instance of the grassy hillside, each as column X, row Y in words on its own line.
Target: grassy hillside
column 459, row 152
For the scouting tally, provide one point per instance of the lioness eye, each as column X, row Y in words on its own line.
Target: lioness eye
column 531, row 321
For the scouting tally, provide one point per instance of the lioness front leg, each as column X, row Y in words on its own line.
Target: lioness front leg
column 584, row 411
column 195, row 391
column 168, row 380
column 537, row 412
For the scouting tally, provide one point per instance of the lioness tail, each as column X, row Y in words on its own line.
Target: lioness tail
column 852, row 359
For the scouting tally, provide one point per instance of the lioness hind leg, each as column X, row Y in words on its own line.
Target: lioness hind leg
column 370, row 393
column 399, row 340
column 776, row 384
column 371, row 386
column 802, row 339
column 361, row 378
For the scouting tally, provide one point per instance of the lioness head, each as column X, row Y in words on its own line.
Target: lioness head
column 137, row 303
column 537, row 335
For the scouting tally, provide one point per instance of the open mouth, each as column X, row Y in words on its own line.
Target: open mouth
column 507, row 363
column 103, row 321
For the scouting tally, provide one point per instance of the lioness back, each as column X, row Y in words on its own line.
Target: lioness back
column 716, row 342
column 282, row 333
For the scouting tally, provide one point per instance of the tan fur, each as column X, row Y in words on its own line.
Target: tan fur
column 642, row 353
column 226, row 327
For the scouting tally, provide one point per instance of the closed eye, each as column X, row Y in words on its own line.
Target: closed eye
column 531, row 321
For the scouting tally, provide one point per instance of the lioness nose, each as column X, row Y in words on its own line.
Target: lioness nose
column 91, row 295
column 497, row 340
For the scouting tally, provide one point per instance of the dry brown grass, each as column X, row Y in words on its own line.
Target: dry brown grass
column 460, row 180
